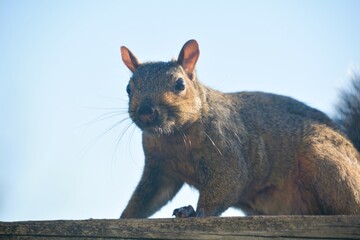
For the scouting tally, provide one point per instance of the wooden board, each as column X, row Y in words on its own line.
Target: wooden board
column 257, row 227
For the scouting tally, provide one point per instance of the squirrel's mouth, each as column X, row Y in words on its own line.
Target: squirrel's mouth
column 156, row 126
column 153, row 119
column 156, row 130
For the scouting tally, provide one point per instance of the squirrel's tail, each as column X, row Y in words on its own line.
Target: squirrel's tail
column 348, row 111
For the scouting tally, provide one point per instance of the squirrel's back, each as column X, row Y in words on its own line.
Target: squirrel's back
column 280, row 106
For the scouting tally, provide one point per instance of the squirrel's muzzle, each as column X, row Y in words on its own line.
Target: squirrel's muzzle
column 147, row 114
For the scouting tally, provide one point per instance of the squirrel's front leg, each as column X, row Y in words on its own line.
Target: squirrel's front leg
column 154, row 190
column 214, row 199
column 207, row 206
column 213, row 204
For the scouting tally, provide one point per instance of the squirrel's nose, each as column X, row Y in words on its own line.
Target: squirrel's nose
column 147, row 113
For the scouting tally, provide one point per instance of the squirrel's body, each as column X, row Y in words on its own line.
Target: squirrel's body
column 261, row 152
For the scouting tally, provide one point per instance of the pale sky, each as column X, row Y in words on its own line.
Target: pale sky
column 63, row 83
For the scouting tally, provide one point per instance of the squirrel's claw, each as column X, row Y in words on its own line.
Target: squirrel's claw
column 184, row 212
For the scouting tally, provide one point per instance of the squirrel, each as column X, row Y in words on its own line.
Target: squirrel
column 264, row 153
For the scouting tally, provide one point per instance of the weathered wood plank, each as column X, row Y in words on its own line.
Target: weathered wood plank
column 257, row 227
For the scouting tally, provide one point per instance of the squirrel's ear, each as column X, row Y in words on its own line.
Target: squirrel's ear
column 129, row 59
column 188, row 56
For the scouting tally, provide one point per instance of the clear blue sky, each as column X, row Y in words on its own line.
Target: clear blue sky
column 63, row 85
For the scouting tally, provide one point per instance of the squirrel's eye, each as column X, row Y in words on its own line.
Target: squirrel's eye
column 128, row 90
column 180, row 84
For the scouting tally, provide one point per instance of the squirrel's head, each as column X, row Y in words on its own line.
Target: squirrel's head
column 164, row 97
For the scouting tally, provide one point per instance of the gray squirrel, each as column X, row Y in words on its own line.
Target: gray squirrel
column 260, row 152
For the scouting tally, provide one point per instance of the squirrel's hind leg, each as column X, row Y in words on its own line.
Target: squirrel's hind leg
column 331, row 168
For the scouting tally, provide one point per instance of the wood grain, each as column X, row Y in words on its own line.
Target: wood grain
column 257, row 227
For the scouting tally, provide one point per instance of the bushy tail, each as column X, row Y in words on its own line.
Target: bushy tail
column 348, row 111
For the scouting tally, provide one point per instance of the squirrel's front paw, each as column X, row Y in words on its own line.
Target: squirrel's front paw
column 184, row 212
